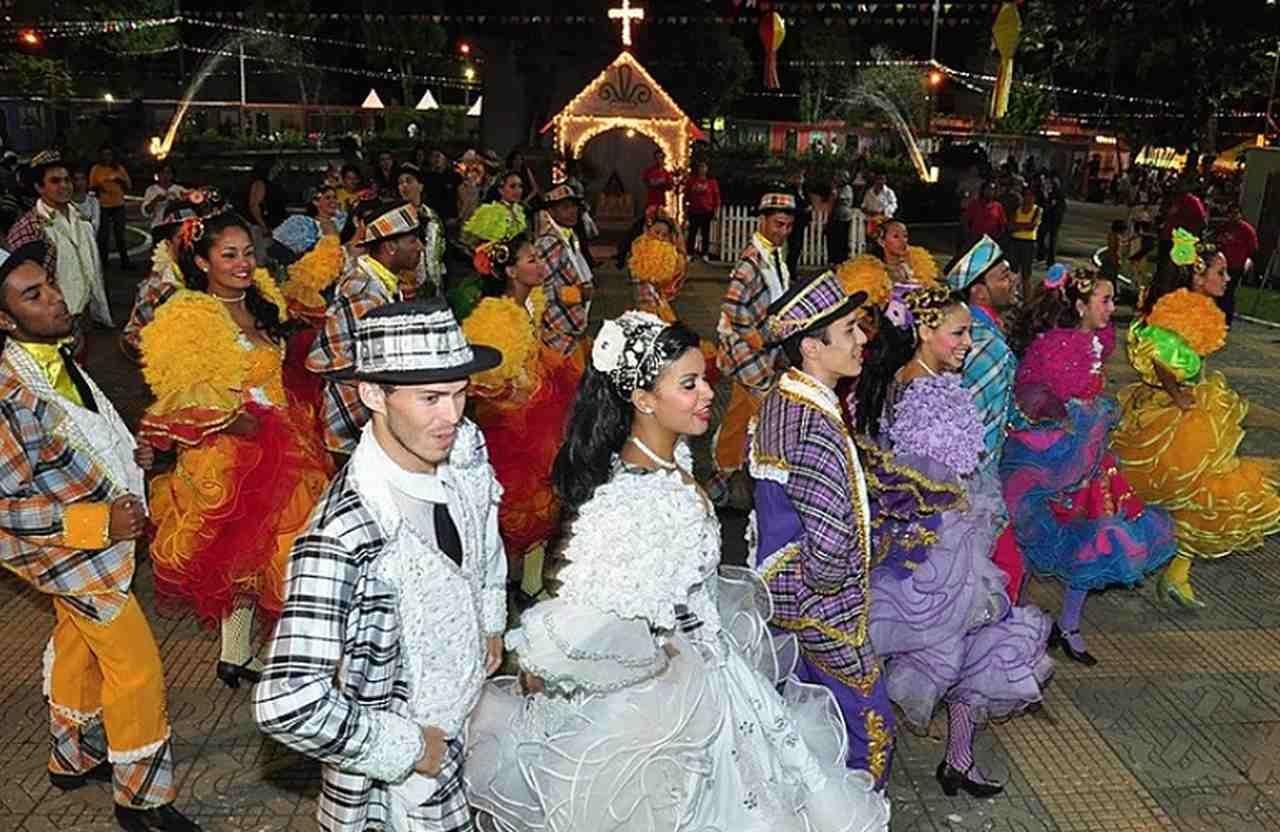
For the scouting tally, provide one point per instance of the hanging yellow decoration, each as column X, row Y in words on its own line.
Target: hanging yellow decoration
column 1006, row 33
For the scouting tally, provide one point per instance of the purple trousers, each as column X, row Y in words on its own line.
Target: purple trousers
column 868, row 720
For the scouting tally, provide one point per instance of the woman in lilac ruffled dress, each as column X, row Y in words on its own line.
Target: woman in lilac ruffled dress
column 940, row 611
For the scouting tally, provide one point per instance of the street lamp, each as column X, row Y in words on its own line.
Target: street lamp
column 469, row 73
column 30, row 38
column 109, row 98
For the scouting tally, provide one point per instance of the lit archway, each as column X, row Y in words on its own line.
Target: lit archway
column 626, row 97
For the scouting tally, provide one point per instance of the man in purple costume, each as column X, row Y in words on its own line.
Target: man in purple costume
column 812, row 515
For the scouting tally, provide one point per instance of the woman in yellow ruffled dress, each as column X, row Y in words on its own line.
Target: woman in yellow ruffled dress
column 521, row 405
column 1181, row 425
column 658, row 267
column 250, row 463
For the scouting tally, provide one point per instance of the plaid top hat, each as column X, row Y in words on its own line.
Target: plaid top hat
column 560, row 193
column 776, row 203
column 810, row 306
column 414, row 343
column 395, row 222
column 985, row 255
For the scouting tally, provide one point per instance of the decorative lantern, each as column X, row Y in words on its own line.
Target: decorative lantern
column 772, row 32
column 1005, row 34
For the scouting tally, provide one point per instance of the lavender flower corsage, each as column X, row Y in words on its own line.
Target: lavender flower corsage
column 936, row 418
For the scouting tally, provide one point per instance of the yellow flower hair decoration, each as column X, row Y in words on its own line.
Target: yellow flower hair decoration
column 928, row 304
column 655, row 261
column 923, row 267
column 314, row 272
column 865, row 273
column 1193, row 317
column 502, row 324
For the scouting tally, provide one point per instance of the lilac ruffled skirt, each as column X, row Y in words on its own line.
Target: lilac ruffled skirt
column 947, row 631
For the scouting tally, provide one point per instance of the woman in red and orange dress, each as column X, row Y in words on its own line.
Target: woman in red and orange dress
column 250, row 462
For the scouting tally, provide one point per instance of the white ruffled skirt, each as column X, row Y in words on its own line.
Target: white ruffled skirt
column 708, row 745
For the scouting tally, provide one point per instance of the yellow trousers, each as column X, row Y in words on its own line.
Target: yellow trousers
column 107, row 677
column 730, row 445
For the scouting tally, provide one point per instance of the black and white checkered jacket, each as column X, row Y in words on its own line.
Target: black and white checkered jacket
column 336, row 685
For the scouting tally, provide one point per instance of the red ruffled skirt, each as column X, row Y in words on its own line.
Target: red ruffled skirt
column 227, row 515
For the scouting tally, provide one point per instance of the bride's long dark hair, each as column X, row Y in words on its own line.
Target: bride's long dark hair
column 600, row 423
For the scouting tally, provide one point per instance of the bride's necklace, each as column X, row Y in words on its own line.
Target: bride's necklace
column 926, row 367
column 237, row 299
column 665, row 464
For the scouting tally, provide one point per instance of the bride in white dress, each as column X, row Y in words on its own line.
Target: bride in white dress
column 648, row 694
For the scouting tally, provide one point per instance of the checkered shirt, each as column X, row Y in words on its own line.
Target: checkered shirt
column 334, row 687
column 563, row 323
column 989, row 371
column 153, row 291
column 40, row 474
column 358, row 293
column 814, row 530
column 742, row 350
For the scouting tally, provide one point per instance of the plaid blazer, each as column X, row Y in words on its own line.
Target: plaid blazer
column 814, row 527
column 565, row 320
column 988, row 374
column 359, row 292
column 42, row 473
column 742, row 349
column 334, row 687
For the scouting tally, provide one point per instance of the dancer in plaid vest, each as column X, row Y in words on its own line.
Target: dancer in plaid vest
column 71, row 485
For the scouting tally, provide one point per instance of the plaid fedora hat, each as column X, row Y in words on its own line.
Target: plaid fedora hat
column 985, row 255
column 398, row 220
column 560, row 193
column 776, row 203
column 414, row 343
column 806, row 307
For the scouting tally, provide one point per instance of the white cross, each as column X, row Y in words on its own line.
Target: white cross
column 626, row 14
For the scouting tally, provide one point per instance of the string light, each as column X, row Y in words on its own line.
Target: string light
column 389, row 75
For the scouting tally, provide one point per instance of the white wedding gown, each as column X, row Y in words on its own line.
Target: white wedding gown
column 661, row 710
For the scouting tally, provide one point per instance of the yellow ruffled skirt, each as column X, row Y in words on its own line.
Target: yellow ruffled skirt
column 227, row 516
column 1187, row 462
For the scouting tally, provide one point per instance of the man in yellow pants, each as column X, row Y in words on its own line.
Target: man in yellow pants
column 759, row 278
column 71, row 507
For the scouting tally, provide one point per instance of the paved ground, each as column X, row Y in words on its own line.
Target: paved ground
column 1177, row 728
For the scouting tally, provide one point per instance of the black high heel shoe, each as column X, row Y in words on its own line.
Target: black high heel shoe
column 1057, row 638
column 952, row 781
column 231, row 674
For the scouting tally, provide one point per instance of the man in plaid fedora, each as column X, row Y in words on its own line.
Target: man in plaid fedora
column 758, row 279
column 569, row 283
column 72, row 254
column 396, row 592
column 71, row 480
column 813, row 519
column 392, row 244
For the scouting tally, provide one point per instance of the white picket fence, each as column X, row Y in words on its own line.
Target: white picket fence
column 734, row 225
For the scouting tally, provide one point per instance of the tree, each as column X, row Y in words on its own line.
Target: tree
column 1028, row 107
column 826, row 87
column 1201, row 57
column 35, row 75
column 409, row 47
column 709, row 75
column 889, row 85
column 293, row 50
